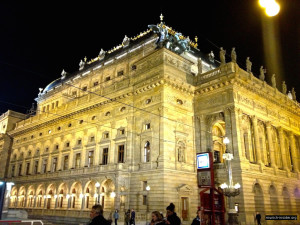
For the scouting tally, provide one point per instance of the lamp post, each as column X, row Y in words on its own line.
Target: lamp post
column 97, row 185
column 230, row 190
column 147, row 189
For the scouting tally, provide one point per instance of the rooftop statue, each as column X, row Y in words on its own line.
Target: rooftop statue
column 81, row 65
column 293, row 94
column 222, row 55
column 284, row 88
column 211, row 56
column 248, row 65
column 262, row 72
column 273, row 80
column 126, row 41
column 40, row 89
column 174, row 42
column 63, row 74
column 102, row 54
column 161, row 32
column 233, row 55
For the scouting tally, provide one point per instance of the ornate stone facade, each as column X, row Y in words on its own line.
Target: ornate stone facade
column 137, row 117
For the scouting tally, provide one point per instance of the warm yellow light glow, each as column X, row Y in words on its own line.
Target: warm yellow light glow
column 272, row 9
column 265, row 3
column 271, row 6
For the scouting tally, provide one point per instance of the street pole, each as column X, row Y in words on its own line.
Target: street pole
column 230, row 190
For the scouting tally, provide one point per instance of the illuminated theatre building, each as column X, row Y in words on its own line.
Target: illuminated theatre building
column 125, row 128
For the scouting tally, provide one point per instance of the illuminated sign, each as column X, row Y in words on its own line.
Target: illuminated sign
column 203, row 161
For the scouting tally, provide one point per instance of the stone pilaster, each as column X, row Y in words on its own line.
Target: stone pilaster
column 256, row 140
column 294, row 153
column 271, row 146
column 282, row 149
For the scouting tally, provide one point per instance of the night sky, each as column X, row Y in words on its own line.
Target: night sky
column 39, row 40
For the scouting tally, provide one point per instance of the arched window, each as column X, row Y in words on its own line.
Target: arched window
column 218, row 133
column 286, row 199
column 147, row 152
column 273, row 200
column 258, row 198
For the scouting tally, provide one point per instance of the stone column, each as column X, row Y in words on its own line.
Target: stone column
column 282, row 149
column 294, row 153
column 59, row 161
column 236, row 132
column 40, row 164
column 228, row 129
column 84, row 153
column 97, row 147
column 203, row 130
column 31, row 166
column 271, row 146
column 256, row 140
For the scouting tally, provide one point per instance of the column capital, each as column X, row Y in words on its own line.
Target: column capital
column 268, row 124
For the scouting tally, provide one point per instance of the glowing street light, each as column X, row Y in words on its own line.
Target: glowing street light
column 271, row 6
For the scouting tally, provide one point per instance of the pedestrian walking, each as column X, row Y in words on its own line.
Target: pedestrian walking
column 96, row 216
column 172, row 217
column 258, row 218
column 116, row 216
column 132, row 217
column 127, row 217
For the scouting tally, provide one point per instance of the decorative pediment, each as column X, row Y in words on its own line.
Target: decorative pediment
column 185, row 189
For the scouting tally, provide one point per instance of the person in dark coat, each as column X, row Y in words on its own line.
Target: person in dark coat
column 258, row 218
column 96, row 216
column 198, row 219
column 132, row 217
column 116, row 216
column 127, row 217
column 172, row 217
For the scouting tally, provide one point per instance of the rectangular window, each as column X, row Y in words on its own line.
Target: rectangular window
column 56, row 147
column 44, row 168
column 90, row 158
column 92, row 139
column 106, row 135
column 52, row 105
column 121, row 154
column 122, row 131
column 54, row 164
column 144, row 199
column 144, row 185
column 68, row 144
column 147, row 126
column 20, row 170
column 27, row 168
column 107, row 78
column 77, row 160
column 121, row 73
column 56, row 104
column 84, row 88
column 96, row 83
column 36, row 164
column 44, row 108
column 133, row 67
column 66, row 162
column 13, row 168
column 47, row 107
column 79, row 142
column 105, row 156
column 74, row 93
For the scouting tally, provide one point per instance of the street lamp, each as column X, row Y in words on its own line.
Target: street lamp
column 230, row 190
column 97, row 185
column 271, row 6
